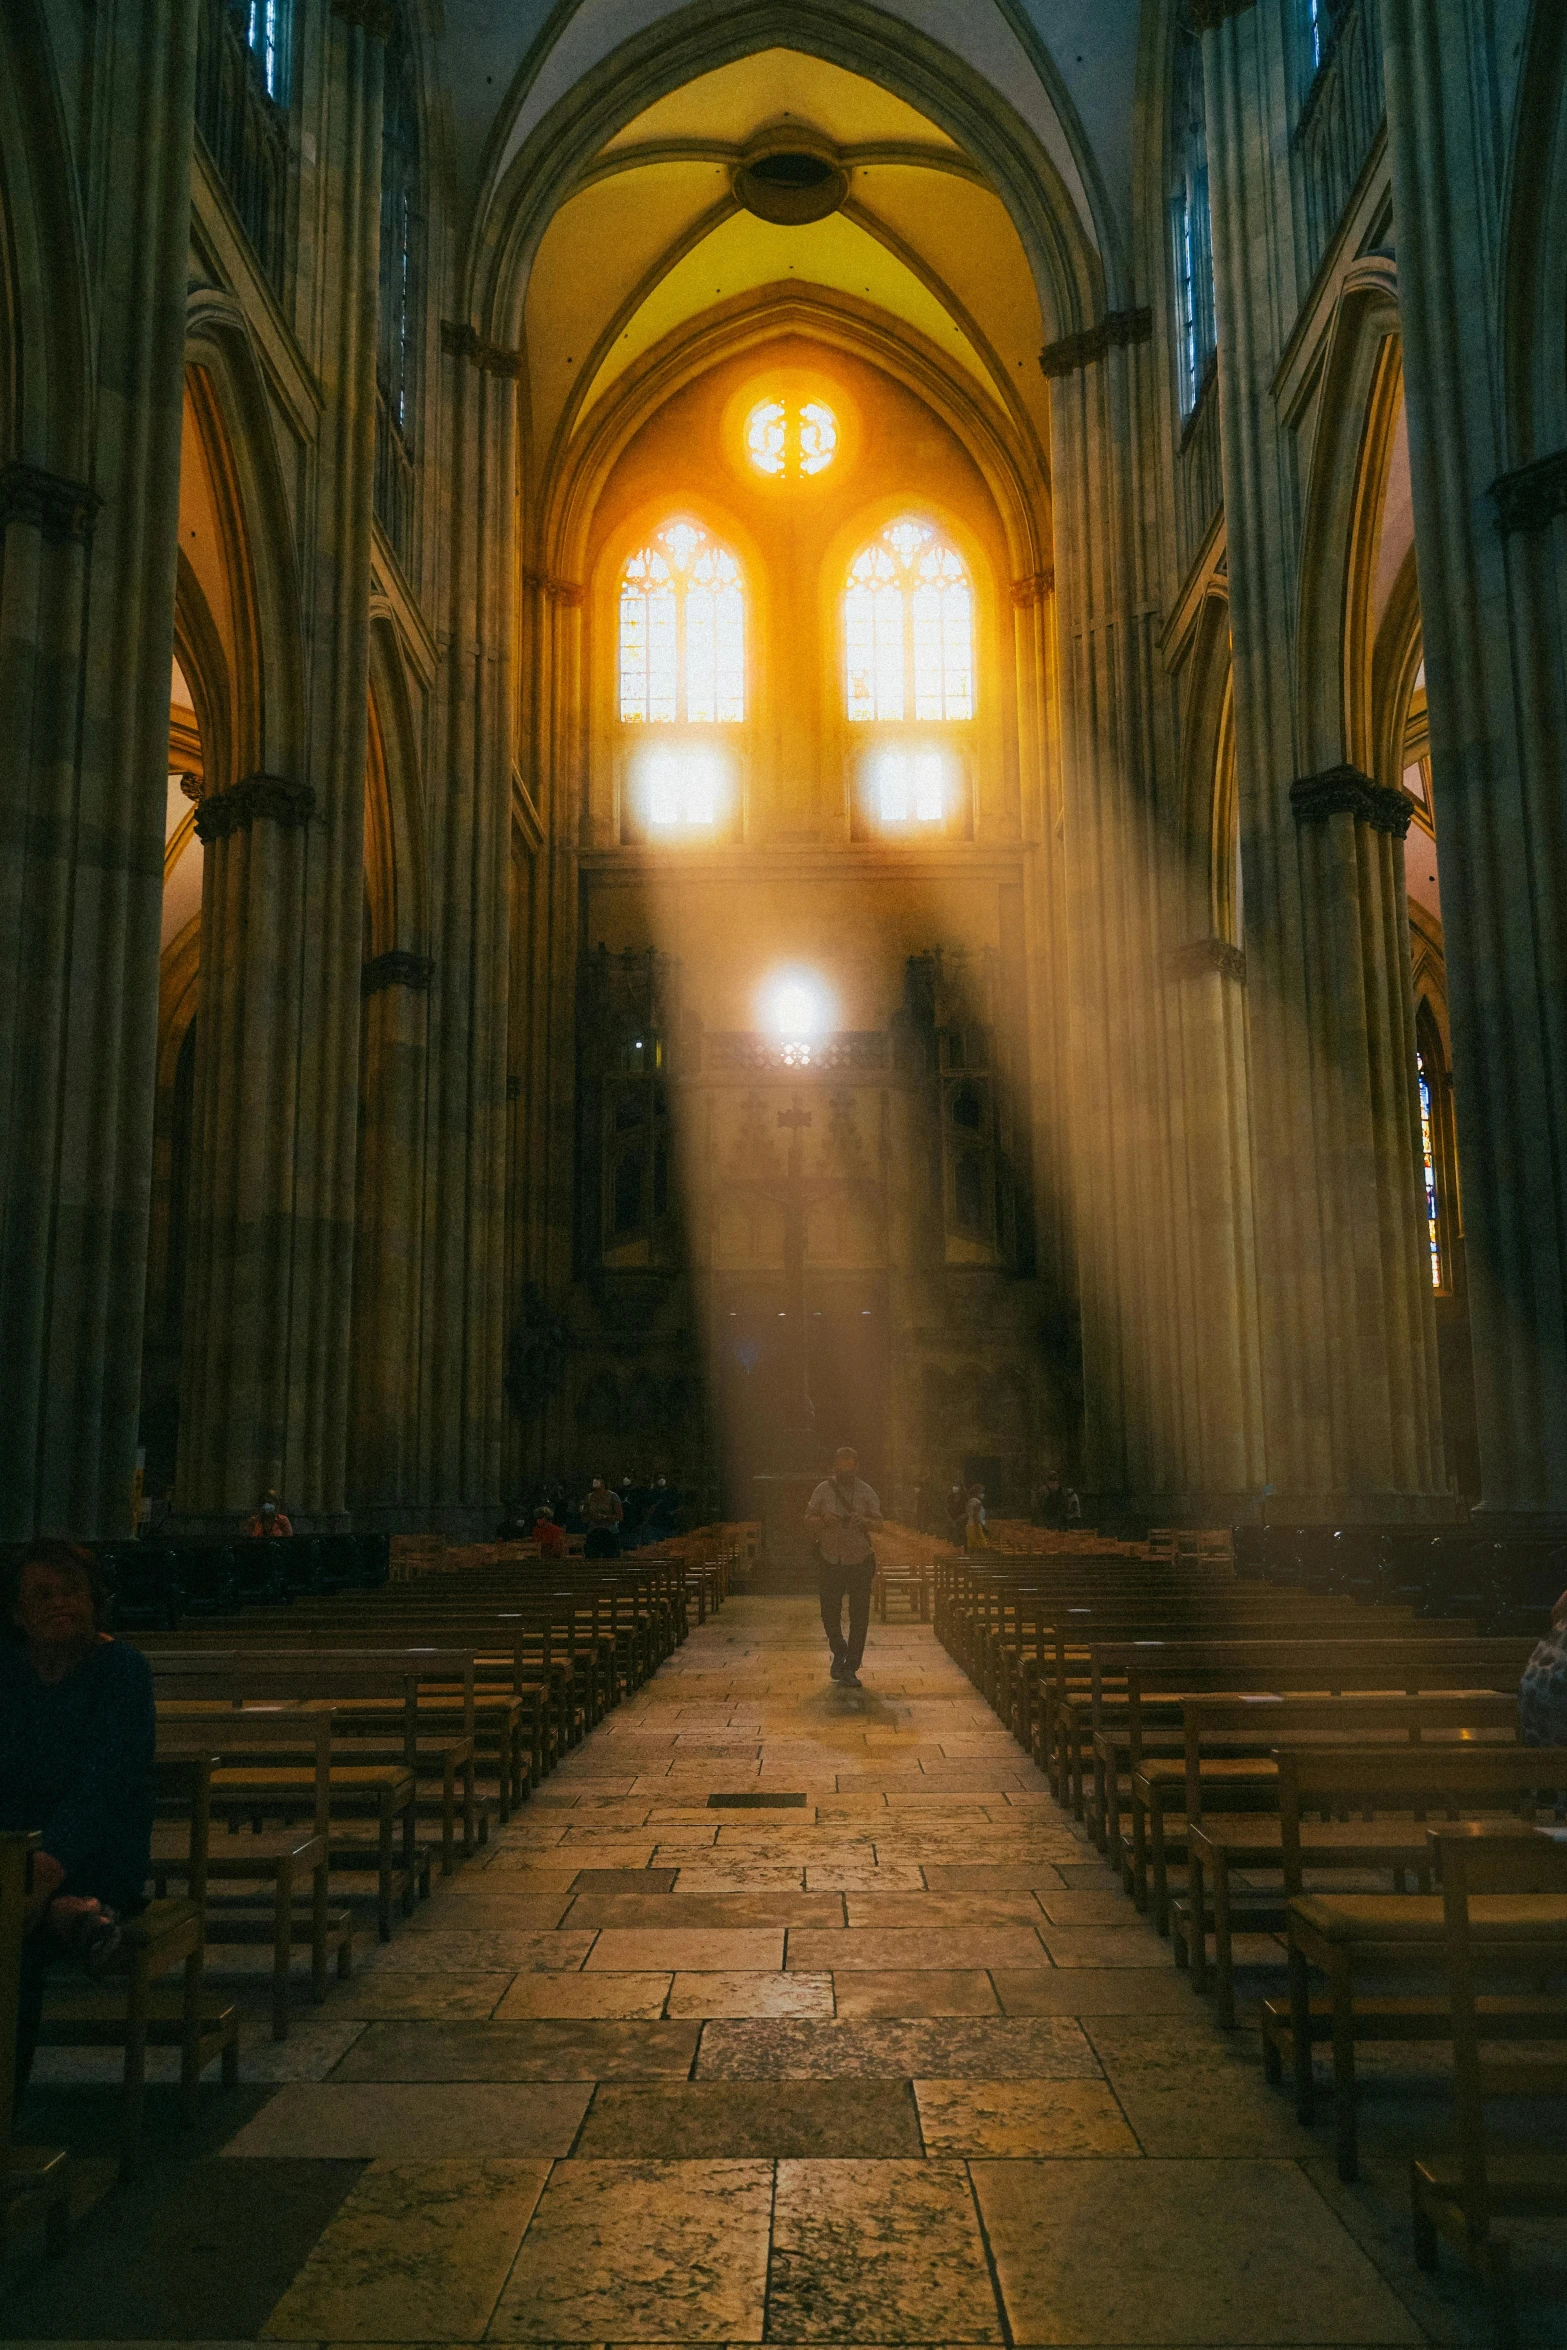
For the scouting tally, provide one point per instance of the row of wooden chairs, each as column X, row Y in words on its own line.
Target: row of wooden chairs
column 297, row 1763
column 1267, row 1754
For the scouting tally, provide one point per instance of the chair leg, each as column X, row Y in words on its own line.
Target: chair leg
column 134, row 2099
column 1300, row 2035
column 1424, row 2233
column 282, row 1946
column 384, row 1872
column 318, row 1904
column 1344, row 2067
column 190, row 2037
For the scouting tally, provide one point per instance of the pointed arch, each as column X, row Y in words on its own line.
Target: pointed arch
column 45, row 329
column 1358, row 405
column 224, row 373
column 526, row 184
column 396, row 875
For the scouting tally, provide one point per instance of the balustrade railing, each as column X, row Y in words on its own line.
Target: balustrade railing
column 1340, row 119
column 394, row 483
column 243, row 131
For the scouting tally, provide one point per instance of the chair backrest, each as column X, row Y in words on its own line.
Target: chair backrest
column 1343, row 1720
column 184, row 1790
column 238, row 1734
column 1419, row 1779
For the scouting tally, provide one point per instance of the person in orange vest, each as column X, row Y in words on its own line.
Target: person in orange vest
column 269, row 1519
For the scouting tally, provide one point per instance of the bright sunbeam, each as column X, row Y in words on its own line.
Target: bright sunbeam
column 795, row 1005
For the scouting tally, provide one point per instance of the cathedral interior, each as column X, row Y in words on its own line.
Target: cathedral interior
column 725, row 730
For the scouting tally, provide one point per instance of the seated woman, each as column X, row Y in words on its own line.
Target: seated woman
column 1542, row 1695
column 78, row 1739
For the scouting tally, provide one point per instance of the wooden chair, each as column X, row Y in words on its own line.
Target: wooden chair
column 31, row 2176
column 167, row 1935
column 1345, row 1936
column 1219, row 1843
column 1459, row 2195
column 293, row 1861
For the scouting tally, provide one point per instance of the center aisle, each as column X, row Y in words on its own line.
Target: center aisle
column 890, row 2064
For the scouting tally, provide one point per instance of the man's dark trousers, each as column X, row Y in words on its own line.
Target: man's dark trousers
column 854, row 1585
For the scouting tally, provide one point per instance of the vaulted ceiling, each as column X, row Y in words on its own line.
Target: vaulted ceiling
column 649, row 236
column 654, row 238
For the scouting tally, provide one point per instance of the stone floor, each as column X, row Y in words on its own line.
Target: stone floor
column 895, row 2063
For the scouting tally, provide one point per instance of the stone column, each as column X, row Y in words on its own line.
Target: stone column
column 1347, row 1328
column 1116, row 749
column 1492, row 546
column 383, row 1451
column 462, row 1310
column 265, row 1371
column 89, row 513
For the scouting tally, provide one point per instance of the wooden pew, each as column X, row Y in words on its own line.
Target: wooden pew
column 32, row 2177
column 1458, row 2195
column 1345, row 1935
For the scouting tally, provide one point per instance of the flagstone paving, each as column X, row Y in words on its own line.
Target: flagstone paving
column 900, row 2065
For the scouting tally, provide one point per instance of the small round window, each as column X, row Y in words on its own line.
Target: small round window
column 791, row 440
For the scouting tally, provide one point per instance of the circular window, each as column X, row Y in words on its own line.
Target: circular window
column 791, row 440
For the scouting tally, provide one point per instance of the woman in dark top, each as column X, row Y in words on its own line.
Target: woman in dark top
column 78, row 1741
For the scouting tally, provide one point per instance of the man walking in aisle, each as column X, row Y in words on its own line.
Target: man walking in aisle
column 842, row 1514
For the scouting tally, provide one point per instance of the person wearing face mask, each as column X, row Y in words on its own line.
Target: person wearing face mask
column 842, row 1514
column 269, row 1519
column 78, row 1741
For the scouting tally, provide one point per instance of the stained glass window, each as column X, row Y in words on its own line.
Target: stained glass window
column 682, row 786
column 268, row 26
column 1428, row 1161
column 682, row 632
column 909, row 628
column 791, row 438
column 1191, row 231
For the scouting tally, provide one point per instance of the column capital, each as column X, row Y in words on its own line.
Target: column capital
column 1034, row 589
column 1206, row 16
column 378, row 18
column 1194, row 956
column 1532, row 497
column 569, row 592
column 57, row 507
column 288, row 805
column 1115, row 329
column 461, row 341
column 398, row 967
column 1345, row 791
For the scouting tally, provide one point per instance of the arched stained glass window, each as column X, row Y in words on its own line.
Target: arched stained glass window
column 1428, row 1164
column 909, row 628
column 682, row 632
column 1191, row 231
column 269, row 27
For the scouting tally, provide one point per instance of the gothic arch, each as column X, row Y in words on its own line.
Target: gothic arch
column 1012, row 471
column 1208, row 779
column 1395, row 664
column 395, row 875
column 45, row 329
column 224, row 377
column 1358, row 404
column 1534, row 278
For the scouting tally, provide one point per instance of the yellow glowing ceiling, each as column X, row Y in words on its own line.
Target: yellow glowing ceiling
column 730, row 103
column 652, row 240
column 742, row 254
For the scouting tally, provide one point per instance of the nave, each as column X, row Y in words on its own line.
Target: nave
column 897, row 2063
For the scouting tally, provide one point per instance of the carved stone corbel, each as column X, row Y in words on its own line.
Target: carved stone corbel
column 1116, row 329
column 398, row 967
column 58, row 508
column 1345, row 791
column 288, row 805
